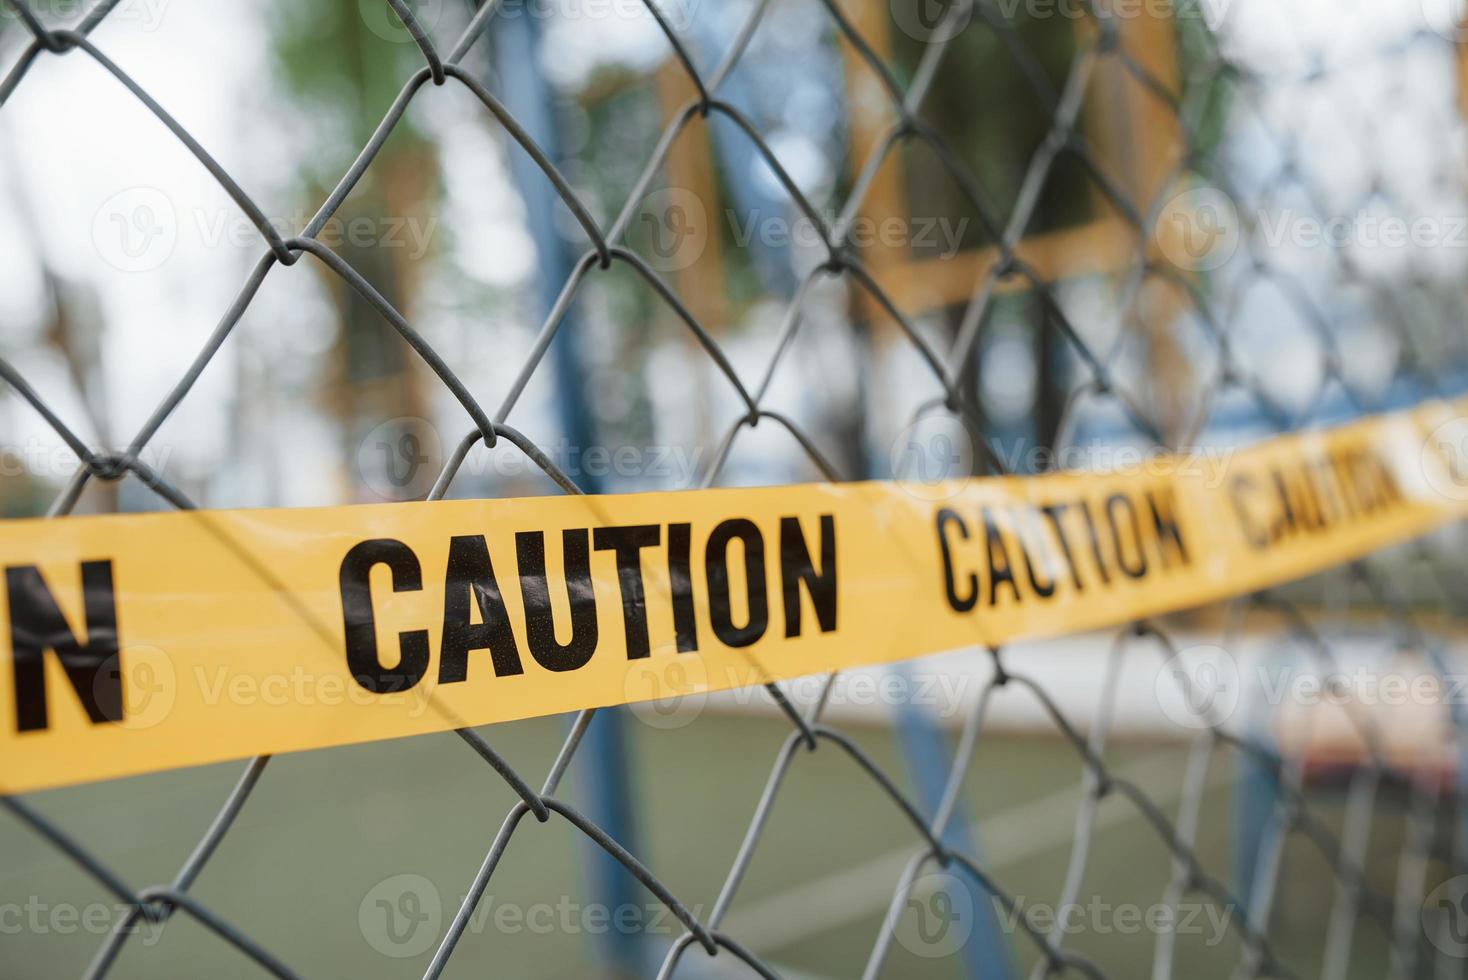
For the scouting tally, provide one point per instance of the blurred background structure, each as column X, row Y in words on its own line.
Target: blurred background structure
column 1125, row 227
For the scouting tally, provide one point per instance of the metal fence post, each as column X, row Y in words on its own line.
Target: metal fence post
column 603, row 769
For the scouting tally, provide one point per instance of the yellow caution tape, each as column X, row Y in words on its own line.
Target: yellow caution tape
column 145, row 642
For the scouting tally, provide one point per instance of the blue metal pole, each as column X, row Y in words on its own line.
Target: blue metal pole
column 602, row 762
column 987, row 954
column 1256, row 799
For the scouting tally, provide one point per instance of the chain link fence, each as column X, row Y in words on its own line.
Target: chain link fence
column 1218, row 285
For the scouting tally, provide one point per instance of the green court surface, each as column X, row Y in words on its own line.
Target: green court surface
column 311, row 869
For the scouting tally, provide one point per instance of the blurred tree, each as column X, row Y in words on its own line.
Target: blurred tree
column 70, row 324
column 343, row 61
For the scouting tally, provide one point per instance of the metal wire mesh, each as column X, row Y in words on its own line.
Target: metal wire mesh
column 1424, row 322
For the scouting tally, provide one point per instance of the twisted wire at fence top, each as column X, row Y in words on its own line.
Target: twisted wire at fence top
column 1249, row 915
